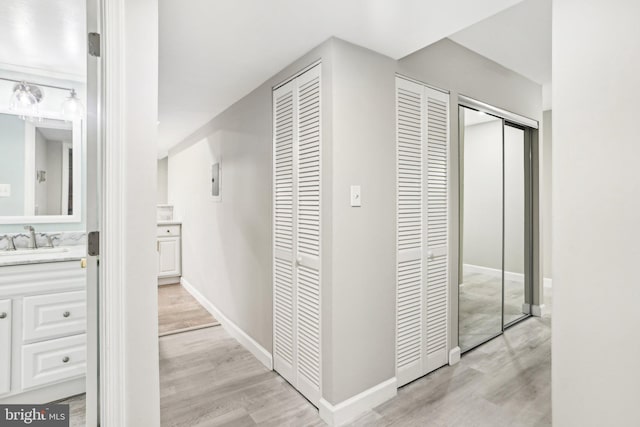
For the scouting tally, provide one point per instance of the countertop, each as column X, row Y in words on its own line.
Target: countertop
column 72, row 253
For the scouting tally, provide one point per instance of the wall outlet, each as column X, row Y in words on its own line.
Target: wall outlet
column 5, row 190
column 356, row 199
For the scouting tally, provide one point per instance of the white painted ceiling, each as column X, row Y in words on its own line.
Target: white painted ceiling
column 43, row 37
column 212, row 53
column 518, row 38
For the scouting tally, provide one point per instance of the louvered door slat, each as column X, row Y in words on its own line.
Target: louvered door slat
column 308, row 233
column 436, row 307
column 297, row 248
column 409, row 134
column 284, row 341
column 422, row 198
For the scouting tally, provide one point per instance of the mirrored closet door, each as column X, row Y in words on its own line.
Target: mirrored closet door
column 495, row 230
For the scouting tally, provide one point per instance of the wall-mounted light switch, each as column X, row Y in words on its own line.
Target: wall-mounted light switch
column 5, row 190
column 356, row 199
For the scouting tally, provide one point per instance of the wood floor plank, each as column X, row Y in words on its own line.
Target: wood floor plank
column 179, row 311
column 208, row 379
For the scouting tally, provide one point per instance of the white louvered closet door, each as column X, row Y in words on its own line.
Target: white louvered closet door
column 422, row 203
column 297, row 148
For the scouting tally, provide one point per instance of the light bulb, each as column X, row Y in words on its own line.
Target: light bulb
column 25, row 98
column 72, row 108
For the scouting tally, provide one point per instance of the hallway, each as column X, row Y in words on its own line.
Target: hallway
column 209, row 379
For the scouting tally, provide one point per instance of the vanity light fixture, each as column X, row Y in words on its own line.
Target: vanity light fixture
column 26, row 96
column 72, row 107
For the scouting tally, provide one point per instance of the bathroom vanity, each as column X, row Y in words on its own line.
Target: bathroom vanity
column 169, row 247
column 42, row 324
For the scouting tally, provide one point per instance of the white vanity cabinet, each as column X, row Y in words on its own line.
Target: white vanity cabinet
column 43, row 335
column 169, row 253
column 5, row 346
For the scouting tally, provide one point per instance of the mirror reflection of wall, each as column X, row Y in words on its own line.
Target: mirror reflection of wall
column 36, row 166
column 480, row 292
column 494, row 199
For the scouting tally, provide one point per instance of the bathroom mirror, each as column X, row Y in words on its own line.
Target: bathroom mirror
column 40, row 169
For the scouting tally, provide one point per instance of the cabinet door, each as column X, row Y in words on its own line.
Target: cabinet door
column 5, row 346
column 169, row 257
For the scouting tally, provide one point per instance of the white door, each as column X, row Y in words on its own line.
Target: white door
column 422, row 134
column 5, row 346
column 297, row 144
column 168, row 256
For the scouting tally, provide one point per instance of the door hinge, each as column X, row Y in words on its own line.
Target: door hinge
column 94, row 44
column 93, row 243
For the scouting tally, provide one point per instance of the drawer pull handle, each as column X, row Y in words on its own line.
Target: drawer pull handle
column 3, row 315
column 66, row 314
column 65, row 359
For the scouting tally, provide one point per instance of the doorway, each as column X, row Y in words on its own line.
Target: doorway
column 496, row 239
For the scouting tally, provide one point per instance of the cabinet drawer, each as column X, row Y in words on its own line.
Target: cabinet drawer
column 53, row 361
column 168, row 230
column 54, row 315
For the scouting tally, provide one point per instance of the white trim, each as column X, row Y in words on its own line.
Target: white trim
column 234, row 330
column 537, row 310
column 348, row 410
column 454, row 356
column 548, row 283
column 112, row 327
column 30, row 173
column 42, row 72
column 427, row 85
column 493, row 272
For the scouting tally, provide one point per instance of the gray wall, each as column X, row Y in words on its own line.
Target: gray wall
column 482, row 241
column 449, row 66
column 163, row 165
column 221, row 239
column 363, row 248
column 54, row 177
column 547, row 162
column 12, row 142
column 596, row 201
column 227, row 245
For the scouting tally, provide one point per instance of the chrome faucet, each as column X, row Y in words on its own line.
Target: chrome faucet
column 33, row 244
column 11, row 245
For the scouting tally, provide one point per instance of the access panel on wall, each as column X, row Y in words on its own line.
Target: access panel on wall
column 422, row 299
column 297, row 246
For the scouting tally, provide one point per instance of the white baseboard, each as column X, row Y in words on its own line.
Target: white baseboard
column 454, row 356
column 548, row 283
column 493, row 272
column 234, row 330
column 537, row 310
column 348, row 410
column 526, row 308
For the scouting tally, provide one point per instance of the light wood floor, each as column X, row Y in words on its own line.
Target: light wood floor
column 208, row 379
column 178, row 311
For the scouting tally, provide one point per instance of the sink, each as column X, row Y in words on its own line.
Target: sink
column 39, row 251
